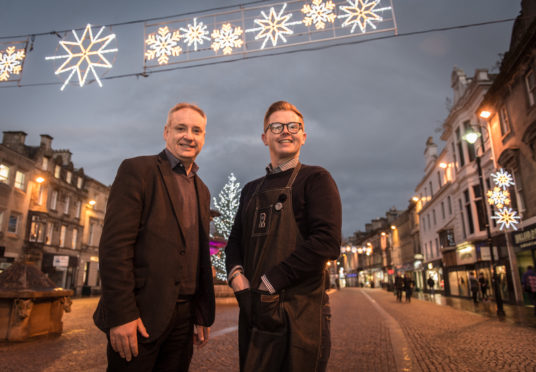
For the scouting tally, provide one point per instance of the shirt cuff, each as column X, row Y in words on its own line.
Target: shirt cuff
column 237, row 267
column 268, row 284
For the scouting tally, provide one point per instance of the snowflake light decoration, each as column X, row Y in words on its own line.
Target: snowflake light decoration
column 498, row 197
column 162, row 45
column 273, row 26
column 84, row 55
column 507, row 217
column 227, row 38
column 318, row 13
column 361, row 13
column 195, row 34
column 11, row 62
column 503, row 179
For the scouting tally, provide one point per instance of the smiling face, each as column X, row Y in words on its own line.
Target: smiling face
column 185, row 135
column 284, row 146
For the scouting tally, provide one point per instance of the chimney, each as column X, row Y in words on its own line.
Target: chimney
column 14, row 140
column 46, row 142
column 430, row 153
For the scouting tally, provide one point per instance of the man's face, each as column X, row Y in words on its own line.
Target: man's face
column 185, row 134
column 285, row 145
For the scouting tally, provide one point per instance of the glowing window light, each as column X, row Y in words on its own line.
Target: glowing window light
column 163, row 44
column 273, row 27
column 498, row 197
column 227, row 38
column 361, row 13
column 195, row 34
column 84, row 55
column 502, row 179
column 11, row 62
column 318, row 14
column 506, row 217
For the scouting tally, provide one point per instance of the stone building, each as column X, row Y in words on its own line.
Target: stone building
column 49, row 218
column 510, row 108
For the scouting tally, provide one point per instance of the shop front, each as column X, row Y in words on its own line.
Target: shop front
column 61, row 269
column 434, row 270
column 524, row 242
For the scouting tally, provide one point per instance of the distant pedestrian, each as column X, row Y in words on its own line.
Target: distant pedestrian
column 529, row 284
column 483, row 286
column 408, row 286
column 431, row 284
column 399, row 286
column 474, row 285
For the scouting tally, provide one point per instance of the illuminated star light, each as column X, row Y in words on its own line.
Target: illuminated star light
column 318, row 14
column 227, row 38
column 195, row 34
column 507, row 217
column 274, row 26
column 79, row 55
column 11, row 62
column 498, row 197
column 362, row 13
column 162, row 45
column 503, row 179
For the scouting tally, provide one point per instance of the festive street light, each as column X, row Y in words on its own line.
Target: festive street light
column 471, row 137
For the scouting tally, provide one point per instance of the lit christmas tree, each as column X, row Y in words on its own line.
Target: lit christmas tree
column 227, row 205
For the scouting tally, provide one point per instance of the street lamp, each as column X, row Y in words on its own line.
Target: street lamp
column 472, row 137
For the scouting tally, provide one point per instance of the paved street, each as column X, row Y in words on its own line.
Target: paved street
column 371, row 332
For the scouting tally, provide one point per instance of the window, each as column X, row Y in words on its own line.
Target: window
column 44, row 164
column 449, row 204
column 41, row 196
column 79, row 182
column 63, row 232
column 37, row 230
column 454, row 155
column 50, row 230
column 431, row 189
column 77, row 209
column 460, row 147
column 470, row 146
column 437, row 247
column 4, row 173
column 426, row 250
column 462, row 218
column 468, row 211
column 504, row 121
column 13, row 223
column 57, row 171
column 446, row 238
column 53, row 200
column 69, row 177
column 66, row 205
column 428, row 218
column 439, row 182
column 75, row 238
column 91, row 233
column 20, row 179
column 530, row 83
column 431, row 248
column 443, row 210
column 421, row 222
column 479, row 204
column 1, row 220
column 434, row 217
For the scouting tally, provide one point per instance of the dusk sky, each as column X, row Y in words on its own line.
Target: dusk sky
column 368, row 107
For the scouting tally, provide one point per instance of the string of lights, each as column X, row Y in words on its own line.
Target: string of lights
column 146, row 74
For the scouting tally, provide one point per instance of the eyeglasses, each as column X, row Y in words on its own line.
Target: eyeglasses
column 277, row 128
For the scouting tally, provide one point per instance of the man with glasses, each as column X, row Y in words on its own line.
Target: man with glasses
column 287, row 227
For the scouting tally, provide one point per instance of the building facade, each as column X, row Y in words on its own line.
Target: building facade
column 54, row 212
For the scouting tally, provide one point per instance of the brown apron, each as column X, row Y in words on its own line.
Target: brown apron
column 280, row 332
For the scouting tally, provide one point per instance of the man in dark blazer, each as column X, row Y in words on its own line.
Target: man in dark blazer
column 154, row 254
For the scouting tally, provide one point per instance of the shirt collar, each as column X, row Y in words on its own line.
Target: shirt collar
column 177, row 164
column 292, row 163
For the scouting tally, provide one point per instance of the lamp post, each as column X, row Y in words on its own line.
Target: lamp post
column 472, row 137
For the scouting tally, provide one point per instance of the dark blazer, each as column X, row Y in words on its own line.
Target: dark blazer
column 142, row 249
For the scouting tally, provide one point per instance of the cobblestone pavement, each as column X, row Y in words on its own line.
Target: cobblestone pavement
column 365, row 323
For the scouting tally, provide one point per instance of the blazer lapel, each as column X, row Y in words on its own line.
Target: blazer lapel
column 171, row 188
column 203, row 200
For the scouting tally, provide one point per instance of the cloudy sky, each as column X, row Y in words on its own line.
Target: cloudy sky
column 368, row 107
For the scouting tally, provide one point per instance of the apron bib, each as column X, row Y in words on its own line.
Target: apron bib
column 282, row 331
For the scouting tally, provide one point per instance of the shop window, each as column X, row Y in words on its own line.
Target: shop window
column 504, row 120
column 4, row 173
column 530, row 84
column 20, row 180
